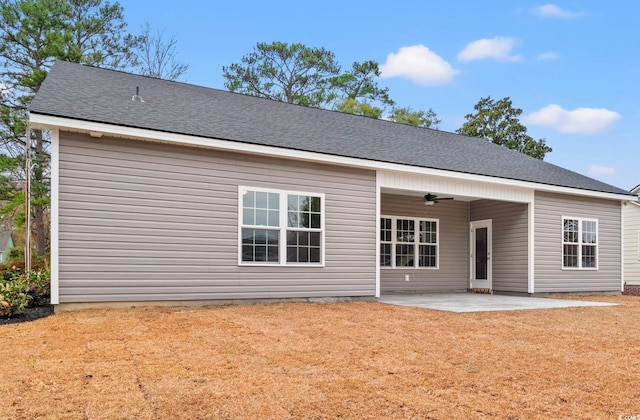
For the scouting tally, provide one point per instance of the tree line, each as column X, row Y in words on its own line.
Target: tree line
column 298, row 74
column 34, row 33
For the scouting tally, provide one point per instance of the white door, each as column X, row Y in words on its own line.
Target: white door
column 480, row 254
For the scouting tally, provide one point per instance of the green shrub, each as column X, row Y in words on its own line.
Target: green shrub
column 39, row 282
column 15, row 253
column 14, row 296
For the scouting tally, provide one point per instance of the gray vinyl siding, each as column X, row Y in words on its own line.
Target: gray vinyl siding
column 631, row 244
column 549, row 275
column 142, row 221
column 453, row 272
column 510, row 242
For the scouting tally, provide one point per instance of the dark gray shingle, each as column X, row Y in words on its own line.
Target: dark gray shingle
column 99, row 95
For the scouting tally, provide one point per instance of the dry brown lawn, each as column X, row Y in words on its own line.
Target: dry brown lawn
column 338, row 360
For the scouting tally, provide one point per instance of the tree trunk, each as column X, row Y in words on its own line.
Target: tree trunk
column 40, row 229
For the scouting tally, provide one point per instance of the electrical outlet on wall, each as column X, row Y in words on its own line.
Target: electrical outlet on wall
column 406, row 277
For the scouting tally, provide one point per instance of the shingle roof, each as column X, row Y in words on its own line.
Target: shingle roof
column 100, row 95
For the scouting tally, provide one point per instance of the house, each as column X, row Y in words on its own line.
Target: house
column 6, row 243
column 631, row 246
column 164, row 191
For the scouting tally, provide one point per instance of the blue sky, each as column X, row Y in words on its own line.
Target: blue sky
column 572, row 66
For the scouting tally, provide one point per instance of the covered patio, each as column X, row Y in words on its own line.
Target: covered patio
column 472, row 236
column 473, row 302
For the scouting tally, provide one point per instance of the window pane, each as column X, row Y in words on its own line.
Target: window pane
column 570, row 230
column 303, row 247
column 404, row 255
column 405, row 230
column 315, row 221
column 314, row 255
column 259, row 245
column 292, row 254
column 588, row 232
column 292, row 219
column 427, row 256
column 248, row 198
column 570, row 255
column 273, row 218
column 292, row 202
column 273, row 237
column 428, row 232
column 274, row 201
column 304, row 220
column 262, row 200
column 260, row 208
column 248, row 217
column 385, row 255
column 315, row 204
column 314, row 239
column 261, row 218
column 385, row 230
column 292, row 238
column 588, row 256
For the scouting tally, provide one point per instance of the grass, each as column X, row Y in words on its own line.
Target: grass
column 342, row 360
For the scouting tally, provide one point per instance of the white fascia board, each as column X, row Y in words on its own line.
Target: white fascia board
column 51, row 122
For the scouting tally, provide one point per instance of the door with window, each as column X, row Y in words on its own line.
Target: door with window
column 480, row 267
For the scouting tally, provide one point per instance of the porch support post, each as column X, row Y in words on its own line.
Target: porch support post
column 378, row 209
column 531, row 279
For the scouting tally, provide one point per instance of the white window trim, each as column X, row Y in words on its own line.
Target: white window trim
column 416, row 243
column 639, row 245
column 283, row 228
column 580, row 244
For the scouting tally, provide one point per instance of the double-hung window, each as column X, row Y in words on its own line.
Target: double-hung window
column 280, row 227
column 579, row 243
column 408, row 242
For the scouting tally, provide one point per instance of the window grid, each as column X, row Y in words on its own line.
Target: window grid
column 579, row 243
column 408, row 242
column 280, row 227
column 386, row 233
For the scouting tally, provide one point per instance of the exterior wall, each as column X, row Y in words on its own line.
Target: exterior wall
column 142, row 221
column 5, row 253
column 510, row 242
column 549, row 275
column 631, row 220
column 453, row 271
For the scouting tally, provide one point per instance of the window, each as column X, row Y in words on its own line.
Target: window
column 280, row 227
column 639, row 245
column 408, row 242
column 579, row 243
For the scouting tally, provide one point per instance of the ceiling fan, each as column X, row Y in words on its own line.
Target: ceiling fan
column 430, row 199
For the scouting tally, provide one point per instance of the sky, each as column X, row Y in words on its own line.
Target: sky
column 572, row 66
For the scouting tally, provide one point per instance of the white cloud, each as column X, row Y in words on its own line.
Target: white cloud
column 595, row 170
column 577, row 121
column 498, row 48
column 553, row 11
column 547, row 56
column 420, row 65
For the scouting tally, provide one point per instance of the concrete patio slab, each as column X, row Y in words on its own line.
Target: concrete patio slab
column 472, row 302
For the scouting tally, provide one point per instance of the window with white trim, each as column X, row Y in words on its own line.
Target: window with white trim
column 579, row 243
column 408, row 242
column 280, row 227
column 639, row 245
